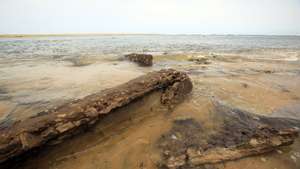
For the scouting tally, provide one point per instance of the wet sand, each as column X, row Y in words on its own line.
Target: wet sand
column 128, row 137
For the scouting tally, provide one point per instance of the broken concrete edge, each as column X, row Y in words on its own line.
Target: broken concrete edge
column 55, row 125
column 141, row 59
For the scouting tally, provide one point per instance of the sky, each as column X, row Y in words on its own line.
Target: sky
column 263, row 17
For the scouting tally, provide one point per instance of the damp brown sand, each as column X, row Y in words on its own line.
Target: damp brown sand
column 50, row 84
column 123, row 139
column 127, row 139
column 132, row 131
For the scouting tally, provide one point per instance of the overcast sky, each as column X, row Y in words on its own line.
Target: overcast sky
column 150, row 16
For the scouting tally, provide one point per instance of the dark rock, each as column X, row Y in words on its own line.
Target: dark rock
column 55, row 125
column 141, row 59
column 242, row 134
column 174, row 93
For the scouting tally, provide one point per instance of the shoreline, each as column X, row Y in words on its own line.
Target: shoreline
column 130, row 34
column 71, row 35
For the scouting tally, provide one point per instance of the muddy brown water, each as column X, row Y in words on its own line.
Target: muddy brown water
column 127, row 138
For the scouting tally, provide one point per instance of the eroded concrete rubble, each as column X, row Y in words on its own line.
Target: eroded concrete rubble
column 53, row 126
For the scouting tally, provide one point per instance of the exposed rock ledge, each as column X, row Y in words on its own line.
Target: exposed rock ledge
column 53, row 126
column 189, row 146
column 141, row 59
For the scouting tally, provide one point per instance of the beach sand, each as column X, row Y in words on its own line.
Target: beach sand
column 127, row 138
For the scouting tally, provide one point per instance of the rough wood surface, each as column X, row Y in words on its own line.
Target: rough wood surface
column 53, row 126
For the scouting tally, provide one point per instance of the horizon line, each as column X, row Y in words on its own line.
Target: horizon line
column 24, row 35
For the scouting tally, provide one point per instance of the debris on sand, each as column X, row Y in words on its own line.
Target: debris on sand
column 141, row 59
column 242, row 134
column 54, row 126
column 199, row 59
column 245, row 85
column 268, row 71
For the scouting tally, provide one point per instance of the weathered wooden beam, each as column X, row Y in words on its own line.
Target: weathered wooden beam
column 57, row 124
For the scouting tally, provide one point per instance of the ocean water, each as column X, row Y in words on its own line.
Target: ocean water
column 73, row 46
